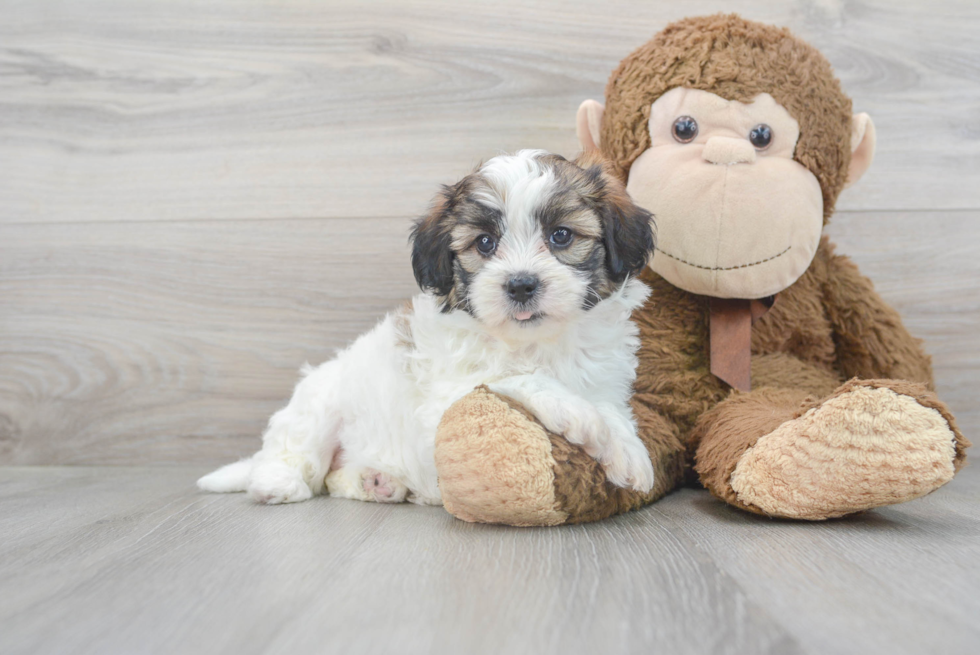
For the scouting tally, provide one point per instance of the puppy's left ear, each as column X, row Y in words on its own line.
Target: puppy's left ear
column 432, row 254
column 629, row 230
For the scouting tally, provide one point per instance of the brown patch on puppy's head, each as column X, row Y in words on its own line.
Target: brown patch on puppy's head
column 629, row 230
column 434, row 258
column 609, row 227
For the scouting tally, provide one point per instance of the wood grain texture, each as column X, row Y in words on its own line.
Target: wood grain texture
column 119, row 110
column 173, row 342
column 196, row 197
column 909, row 567
column 123, row 560
column 158, row 293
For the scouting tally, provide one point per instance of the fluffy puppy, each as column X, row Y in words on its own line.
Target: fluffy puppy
column 527, row 271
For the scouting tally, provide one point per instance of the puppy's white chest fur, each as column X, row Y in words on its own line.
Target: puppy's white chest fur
column 453, row 353
column 415, row 364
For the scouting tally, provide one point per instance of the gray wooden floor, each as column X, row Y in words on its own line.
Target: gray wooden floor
column 134, row 560
column 197, row 196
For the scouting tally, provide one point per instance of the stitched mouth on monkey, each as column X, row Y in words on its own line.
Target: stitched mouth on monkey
column 724, row 268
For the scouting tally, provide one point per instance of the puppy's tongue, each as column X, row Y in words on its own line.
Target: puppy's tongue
column 523, row 316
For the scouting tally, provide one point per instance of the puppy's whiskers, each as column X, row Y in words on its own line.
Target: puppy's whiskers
column 592, row 298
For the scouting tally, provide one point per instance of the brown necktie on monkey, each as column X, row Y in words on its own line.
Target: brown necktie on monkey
column 730, row 330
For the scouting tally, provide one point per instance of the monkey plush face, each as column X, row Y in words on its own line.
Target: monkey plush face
column 737, row 137
column 737, row 216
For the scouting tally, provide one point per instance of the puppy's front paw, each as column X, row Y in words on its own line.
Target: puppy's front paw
column 580, row 424
column 273, row 483
column 627, row 464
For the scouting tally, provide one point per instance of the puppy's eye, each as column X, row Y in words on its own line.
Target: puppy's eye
column 561, row 237
column 761, row 136
column 486, row 244
column 685, row 129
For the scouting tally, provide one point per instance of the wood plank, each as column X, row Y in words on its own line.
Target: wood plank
column 173, row 342
column 896, row 580
column 157, row 342
column 121, row 559
column 160, row 567
column 117, row 110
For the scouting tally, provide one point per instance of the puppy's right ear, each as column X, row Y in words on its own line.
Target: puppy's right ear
column 432, row 254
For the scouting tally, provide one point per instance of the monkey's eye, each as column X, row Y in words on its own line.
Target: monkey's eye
column 685, row 129
column 561, row 237
column 486, row 244
column 761, row 136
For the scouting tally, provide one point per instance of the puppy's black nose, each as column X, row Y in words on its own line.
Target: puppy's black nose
column 522, row 287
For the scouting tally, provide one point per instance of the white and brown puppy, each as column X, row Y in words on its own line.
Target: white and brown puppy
column 527, row 270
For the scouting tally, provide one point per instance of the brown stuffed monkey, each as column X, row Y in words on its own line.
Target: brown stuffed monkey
column 768, row 365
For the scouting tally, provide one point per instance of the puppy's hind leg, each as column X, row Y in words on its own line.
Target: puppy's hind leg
column 362, row 483
column 275, row 481
column 299, row 444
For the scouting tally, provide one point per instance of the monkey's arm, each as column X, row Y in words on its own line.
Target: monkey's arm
column 870, row 338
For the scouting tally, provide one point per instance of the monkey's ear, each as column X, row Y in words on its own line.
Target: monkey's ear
column 432, row 254
column 588, row 122
column 862, row 147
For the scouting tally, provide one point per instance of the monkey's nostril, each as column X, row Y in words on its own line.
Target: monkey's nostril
column 522, row 287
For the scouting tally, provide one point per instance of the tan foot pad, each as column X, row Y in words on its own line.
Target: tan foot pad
column 495, row 464
column 865, row 448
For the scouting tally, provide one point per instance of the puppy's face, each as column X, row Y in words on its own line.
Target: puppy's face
column 530, row 240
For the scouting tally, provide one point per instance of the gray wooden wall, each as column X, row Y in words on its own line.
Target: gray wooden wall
column 197, row 197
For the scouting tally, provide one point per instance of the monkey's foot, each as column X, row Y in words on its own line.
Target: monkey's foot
column 498, row 464
column 871, row 443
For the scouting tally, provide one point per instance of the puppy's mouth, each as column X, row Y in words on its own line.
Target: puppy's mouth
column 527, row 317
